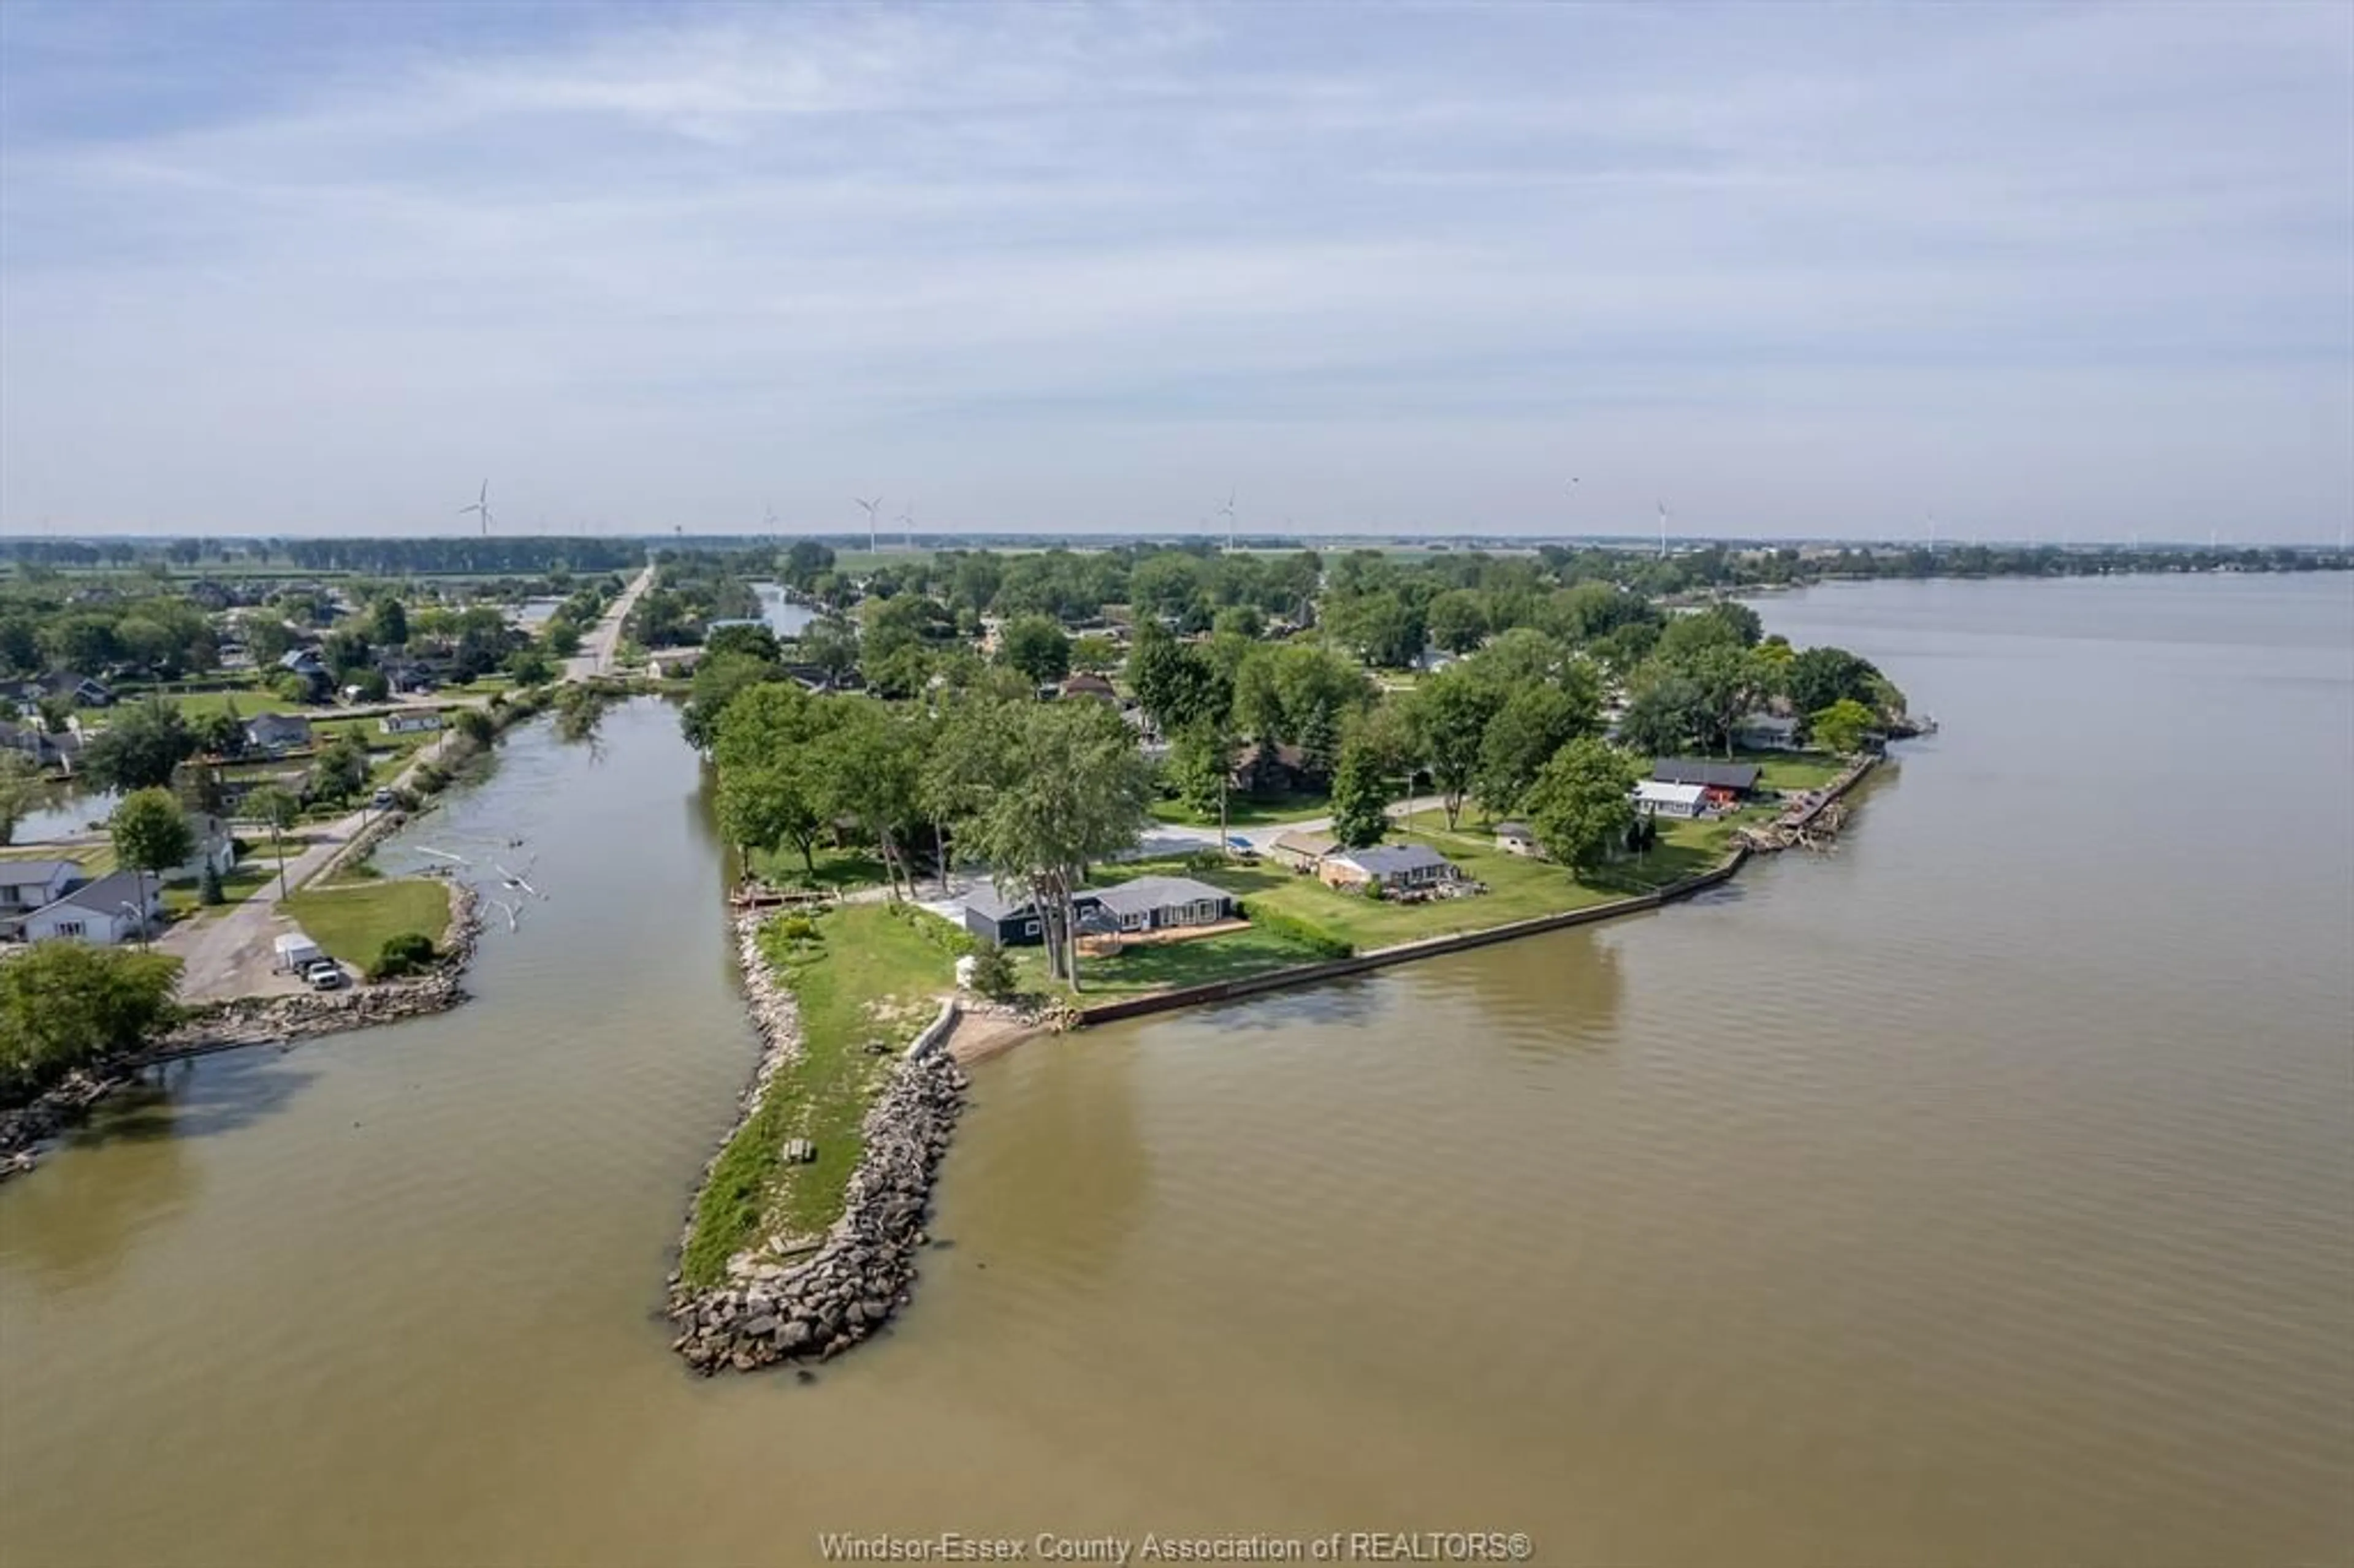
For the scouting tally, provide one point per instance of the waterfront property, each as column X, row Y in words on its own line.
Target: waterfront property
column 1767, row 731
column 1517, row 837
column 119, row 907
column 275, row 734
column 1653, row 798
column 1390, row 867
column 1727, row 783
column 29, row 885
column 1145, row 904
column 411, row 721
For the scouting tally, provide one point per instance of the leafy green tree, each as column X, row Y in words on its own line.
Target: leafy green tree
column 1095, row 653
column 151, row 835
column 1075, row 793
column 1664, row 713
column 1037, row 647
column 766, row 751
column 20, row 791
column 476, row 725
column 1360, row 796
column 68, row 1004
column 1581, row 804
column 339, row 771
column 1449, row 714
column 965, row 753
column 742, row 642
column 388, row 623
column 1458, row 619
column 278, row 810
column 870, row 763
column 531, row 667
column 1687, row 637
column 220, row 733
column 1534, row 723
column 1816, row 678
column 139, row 747
column 209, row 886
column 717, row 680
column 1841, row 727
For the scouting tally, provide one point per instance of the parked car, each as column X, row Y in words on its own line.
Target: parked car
column 324, row 974
column 381, row 799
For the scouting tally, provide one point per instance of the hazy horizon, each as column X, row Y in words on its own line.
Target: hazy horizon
column 2069, row 274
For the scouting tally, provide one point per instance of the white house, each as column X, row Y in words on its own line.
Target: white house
column 215, row 847
column 104, row 913
column 1517, row 837
column 27, row 884
column 1389, row 866
column 410, row 720
column 1767, row 731
column 1653, row 798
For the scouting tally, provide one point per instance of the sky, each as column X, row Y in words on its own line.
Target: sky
column 2067, row 272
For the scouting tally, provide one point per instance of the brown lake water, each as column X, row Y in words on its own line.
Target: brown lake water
column 1981, row 1193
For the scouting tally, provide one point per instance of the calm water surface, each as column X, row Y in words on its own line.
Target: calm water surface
column 1981, row 1193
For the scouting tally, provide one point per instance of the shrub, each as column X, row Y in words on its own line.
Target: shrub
column 209, row 886
column 404, row 953
column 1307, row 933
column 951, row 939
column 992, row 971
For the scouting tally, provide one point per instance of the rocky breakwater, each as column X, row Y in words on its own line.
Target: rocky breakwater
column 863, row 1269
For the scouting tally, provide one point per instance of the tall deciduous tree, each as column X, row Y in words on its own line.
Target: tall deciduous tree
column 64, row 1004
column 1449, row 714
column 1360, row 796
column 139, row 747
column 1534, row 723
column 151, row 836
column 1077, row 793
column 1841, row 727
column 1580, row 805
column 20, row 791
column 1038, row 647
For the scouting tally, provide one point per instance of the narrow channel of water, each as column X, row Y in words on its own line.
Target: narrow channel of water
column 1982, row 1192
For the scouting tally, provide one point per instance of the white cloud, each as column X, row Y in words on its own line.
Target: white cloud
column 1062, row 267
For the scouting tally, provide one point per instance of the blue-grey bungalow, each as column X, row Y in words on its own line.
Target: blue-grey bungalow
column 1147, row 903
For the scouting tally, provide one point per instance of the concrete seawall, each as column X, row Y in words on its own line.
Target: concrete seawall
column 1435, row 946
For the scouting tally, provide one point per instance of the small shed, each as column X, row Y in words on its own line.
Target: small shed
column 1516, row 838
column 1302, row 850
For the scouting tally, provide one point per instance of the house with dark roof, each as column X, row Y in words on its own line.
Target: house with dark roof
column 1725, row 782
column 1388, row 867
column 1517, row 837
column 1085, row 685
column 1145, row 904
column 1267, row 767
column 29, row 885
column 275, row 734
column 81, row 690
column 104, row 913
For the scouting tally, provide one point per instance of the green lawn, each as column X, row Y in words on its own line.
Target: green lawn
column 836, row 868
column 1794, row 770
column 1245, row 813
column 96, row 859
column 871, row 977
column 250, row 700
column 1518, row 888
column 248, row 877
column 352, row 922
column 1169, row 966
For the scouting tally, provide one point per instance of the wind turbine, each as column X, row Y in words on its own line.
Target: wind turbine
column 1663, row 530
column 871, row 545
column 1226, row 510
column 1933, row 530
column 483, row 505
column 907, row 525
column 769, row 517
